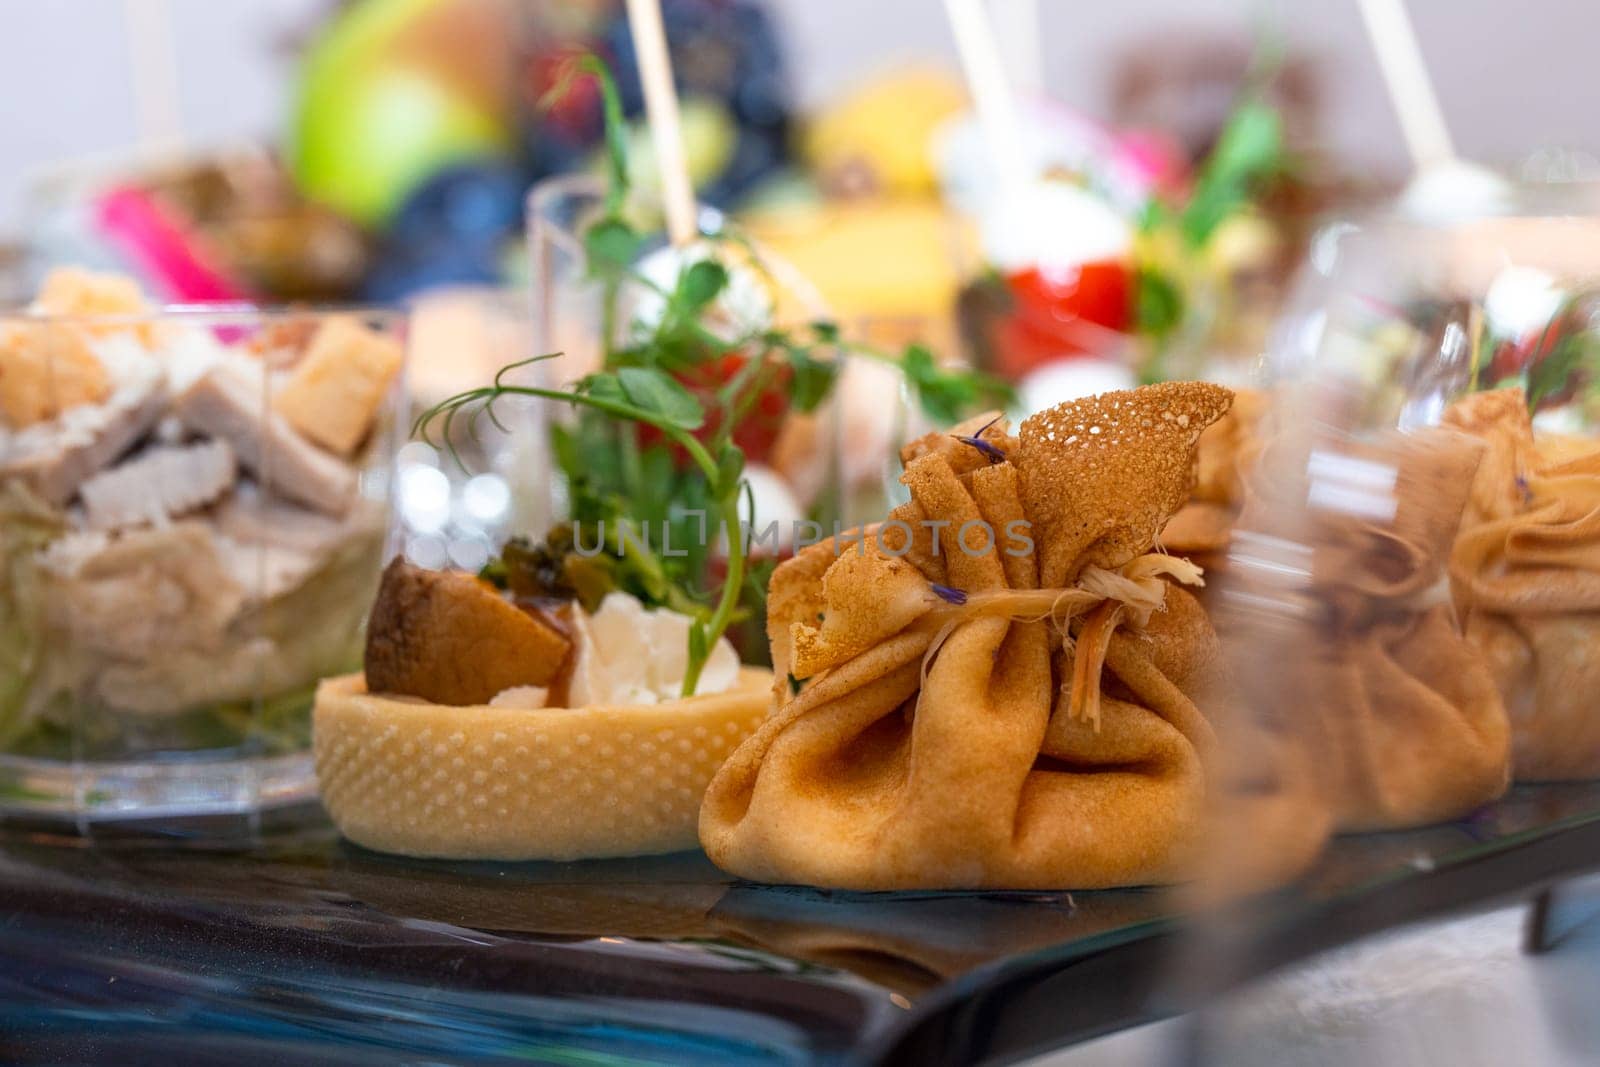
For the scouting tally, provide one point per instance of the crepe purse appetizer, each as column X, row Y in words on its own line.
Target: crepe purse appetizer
column 1399, row 710
column 487, row 728
column 1525, row 573
column 953, row 714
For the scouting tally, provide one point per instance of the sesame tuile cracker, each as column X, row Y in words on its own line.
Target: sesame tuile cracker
column 1101, row 476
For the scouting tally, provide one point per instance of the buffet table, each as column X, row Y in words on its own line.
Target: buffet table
column 293, row 946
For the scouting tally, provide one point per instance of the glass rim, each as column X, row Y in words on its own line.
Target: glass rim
column 232, row 313
column 712, row 222
column 710, row 219
column 577, row 183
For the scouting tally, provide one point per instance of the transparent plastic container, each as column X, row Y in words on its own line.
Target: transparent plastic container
column 1408, row 603
column 196, row 504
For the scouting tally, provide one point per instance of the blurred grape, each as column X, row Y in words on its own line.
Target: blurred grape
column 453, row 230
column 477, row 203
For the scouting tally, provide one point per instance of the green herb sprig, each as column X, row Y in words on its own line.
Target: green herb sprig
column 1249, row 152
column 612, row 246
column 1567, row 355
column 1249, row 155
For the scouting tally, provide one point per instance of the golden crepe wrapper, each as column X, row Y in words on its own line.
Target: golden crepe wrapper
column 890, row 769
column 1268, row 818
column 1525, row 574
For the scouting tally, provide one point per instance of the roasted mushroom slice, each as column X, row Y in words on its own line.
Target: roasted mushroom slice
column 451, row 639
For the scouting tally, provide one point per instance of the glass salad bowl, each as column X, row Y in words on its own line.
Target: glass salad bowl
column 195, row 508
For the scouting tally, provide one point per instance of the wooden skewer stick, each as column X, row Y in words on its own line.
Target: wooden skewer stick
column 666, row 128
column 991, row 92
column 1394, row 39
column 1018, row 27
column 155, row 75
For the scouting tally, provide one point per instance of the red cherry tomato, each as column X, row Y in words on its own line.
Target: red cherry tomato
column 1060, row 313
column 1510, row 357
column 761, row 423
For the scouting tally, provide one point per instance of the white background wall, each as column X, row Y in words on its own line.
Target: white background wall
column 1514, row 75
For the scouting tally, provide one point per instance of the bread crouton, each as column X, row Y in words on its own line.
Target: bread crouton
column 46, row 368
column 72, row 291
column 334, row 393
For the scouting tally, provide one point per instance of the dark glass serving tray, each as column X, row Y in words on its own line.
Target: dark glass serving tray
column 297, row 947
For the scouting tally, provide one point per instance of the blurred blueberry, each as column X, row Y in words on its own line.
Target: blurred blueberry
column 474, row 203
column 402, row 274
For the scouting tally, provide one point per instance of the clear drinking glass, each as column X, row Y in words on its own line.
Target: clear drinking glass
column 570, row 318
column 195, row 506
column 1441, row 400
column 800, row 471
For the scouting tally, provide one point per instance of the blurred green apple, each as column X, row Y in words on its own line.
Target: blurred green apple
column 373, row 120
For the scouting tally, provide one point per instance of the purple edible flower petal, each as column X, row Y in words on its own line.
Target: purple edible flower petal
column 949, row 595
column 993, row 454
column 1479, row 825
column 990, row 452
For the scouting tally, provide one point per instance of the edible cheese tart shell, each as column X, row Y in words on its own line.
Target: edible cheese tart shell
column 434, row 781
